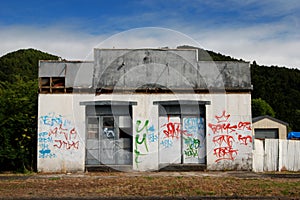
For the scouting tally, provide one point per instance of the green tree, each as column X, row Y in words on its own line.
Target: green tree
column 18, row 121
column 18, row 108
column 261, row 107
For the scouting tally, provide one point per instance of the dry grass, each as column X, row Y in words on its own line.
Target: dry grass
column 120, row 185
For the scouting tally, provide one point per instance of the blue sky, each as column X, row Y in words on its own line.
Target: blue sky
column 267, row 31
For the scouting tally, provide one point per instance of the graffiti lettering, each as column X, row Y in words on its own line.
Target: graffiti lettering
column 193, row 142
column 51, row 119
column 57, row 132
column 138, row 123
column 136, row 151
column 225, row 153
column 222, row 128
column 152, row 137
column 243, row 140
column 191, row 152
column 45, row 152
column 66, row 144
column 228, row 135
column 193, row 145
column 139, row 142
column 220, row 139
column 173, row 130
column 244, row 125
column 193, row 124
column 167, row 143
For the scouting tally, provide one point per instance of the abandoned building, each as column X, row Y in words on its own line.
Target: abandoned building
column 144, row 110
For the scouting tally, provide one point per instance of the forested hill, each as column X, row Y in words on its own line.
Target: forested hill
column 23, row 62
column 280, row 87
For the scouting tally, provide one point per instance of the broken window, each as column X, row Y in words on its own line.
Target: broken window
column 52, row 85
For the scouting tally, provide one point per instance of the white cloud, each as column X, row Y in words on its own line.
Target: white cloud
column 73, row 45
column 269, row 44
column 65, row 43
column 276, row 44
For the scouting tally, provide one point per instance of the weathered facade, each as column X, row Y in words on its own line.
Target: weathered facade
column 144, row 109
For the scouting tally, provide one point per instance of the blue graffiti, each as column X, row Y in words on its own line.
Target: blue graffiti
column 151, row 129
column 194, row 123
column 167, row 143
column 52, row 120
column 45, row 152
column 45, row 140
column 43, row 134
column 152, row 137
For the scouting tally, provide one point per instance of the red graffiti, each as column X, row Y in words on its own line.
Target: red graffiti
column 244, row 125
column 226, row 139
column 222, row 128
column 225, row 136
column 64, row 132
column 223, row 117
column 173, row 129
column 243, row 140
column 225, row 153
column 73, row 132
column 66, row 144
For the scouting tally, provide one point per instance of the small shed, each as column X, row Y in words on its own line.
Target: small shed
column 269, row 127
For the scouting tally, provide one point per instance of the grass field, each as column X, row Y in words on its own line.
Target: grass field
column 120, row 184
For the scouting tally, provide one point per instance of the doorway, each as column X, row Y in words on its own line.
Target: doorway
column 182, row 138
column 109, row 135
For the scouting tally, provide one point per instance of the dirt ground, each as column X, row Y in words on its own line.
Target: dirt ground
column 183, row 185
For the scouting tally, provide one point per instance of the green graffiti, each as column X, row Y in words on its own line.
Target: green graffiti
column 138, row 123
column 190, row 152
column 193, row 145
column 139, row 141
column 193, row 142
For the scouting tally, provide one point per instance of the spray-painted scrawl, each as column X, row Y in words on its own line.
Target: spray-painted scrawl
column 227, row 135
column 56, row 134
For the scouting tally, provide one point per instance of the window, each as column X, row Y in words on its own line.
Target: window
column 92, row 128
column 266, row 133
column 52, row 85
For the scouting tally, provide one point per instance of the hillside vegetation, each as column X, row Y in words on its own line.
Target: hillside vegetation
column 18, row 108
column 277, row 87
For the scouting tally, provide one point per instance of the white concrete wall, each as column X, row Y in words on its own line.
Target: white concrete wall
column 61, row 135
column 61, row 130
column 229, row 135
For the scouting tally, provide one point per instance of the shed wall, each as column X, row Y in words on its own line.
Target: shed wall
column 269, row 124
